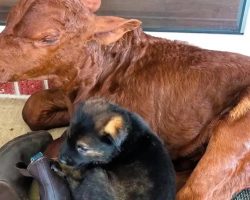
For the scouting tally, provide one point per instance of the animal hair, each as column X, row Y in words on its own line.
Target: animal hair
column 136, row 167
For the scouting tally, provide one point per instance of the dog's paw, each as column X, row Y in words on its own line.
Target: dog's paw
column 57, row 169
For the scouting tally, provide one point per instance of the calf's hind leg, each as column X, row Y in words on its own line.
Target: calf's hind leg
column 47, row 109
column 224, row 169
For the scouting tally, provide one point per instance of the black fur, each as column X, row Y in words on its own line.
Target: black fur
column 132, row 166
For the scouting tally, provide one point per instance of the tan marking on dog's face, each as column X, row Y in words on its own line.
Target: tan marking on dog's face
column 240, row 109
column 113, row 126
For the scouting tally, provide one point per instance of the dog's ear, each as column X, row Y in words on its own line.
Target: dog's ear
column 115, row 128
column 93, row 5
column 110, row 29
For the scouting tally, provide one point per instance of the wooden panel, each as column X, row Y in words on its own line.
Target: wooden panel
column 3, row 14
column 180, row 15
column 172, row 15
column 5, row 6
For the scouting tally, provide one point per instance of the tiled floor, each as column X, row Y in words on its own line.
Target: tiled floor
column 11, row 122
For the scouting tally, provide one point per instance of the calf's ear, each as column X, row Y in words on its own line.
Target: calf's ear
column 93, row 5
column 110, row 29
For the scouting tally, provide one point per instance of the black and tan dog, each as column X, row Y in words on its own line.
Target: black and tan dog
column 110, row 153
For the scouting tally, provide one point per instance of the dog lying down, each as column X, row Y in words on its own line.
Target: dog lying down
column 111, row 153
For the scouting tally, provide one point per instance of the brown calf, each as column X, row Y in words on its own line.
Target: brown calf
column 227, row 157
column 181, row 90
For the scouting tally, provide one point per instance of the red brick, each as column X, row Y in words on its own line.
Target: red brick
column 30, row 86
column 7, row 88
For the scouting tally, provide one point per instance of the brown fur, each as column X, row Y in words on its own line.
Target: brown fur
column 224, row 168
column 182, row 91
column 240, row 110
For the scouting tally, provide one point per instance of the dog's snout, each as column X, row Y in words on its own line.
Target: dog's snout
column 64, row 159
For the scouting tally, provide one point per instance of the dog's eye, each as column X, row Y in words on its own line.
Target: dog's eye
column 81, row 149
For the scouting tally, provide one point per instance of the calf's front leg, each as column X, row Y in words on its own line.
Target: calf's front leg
column 47, row 109
column 225, row 167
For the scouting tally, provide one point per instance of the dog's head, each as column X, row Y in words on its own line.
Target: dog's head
column 95, row 136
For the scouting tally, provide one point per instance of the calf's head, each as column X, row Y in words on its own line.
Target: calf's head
column 54, row 37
